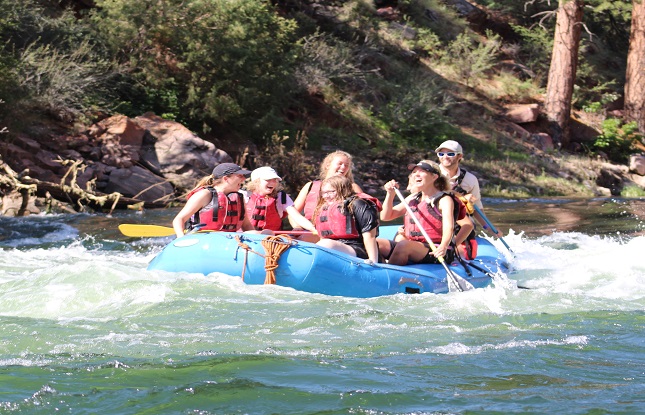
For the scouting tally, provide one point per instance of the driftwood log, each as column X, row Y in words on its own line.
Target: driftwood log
column 67, row 190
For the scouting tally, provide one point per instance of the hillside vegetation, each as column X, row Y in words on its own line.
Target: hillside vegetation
column 283, row 82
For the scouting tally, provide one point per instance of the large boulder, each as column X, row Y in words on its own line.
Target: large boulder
column 637, row 164
column 176, row 153
column 523, row 114
column 139, row 183
column 120, row 140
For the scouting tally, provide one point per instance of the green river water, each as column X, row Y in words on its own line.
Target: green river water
column 86, row 329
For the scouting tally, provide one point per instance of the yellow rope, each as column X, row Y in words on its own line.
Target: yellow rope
column 274, row 246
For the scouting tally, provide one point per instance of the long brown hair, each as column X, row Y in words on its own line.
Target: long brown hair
column 208, row 181
column 324, row 166
column 343, row 187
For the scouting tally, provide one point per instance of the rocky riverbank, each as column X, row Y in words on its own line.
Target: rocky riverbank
column 150, row 162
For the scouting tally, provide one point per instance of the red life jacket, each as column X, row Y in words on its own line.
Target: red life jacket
column 468, row 248
column 312, row 198
column 225, row 212
column 336, row 221
column 263, row 211
column 430, row 218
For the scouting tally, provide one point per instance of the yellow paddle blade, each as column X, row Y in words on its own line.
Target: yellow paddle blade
column 145, row 231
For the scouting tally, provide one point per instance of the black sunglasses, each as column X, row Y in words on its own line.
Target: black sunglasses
column 451, row 154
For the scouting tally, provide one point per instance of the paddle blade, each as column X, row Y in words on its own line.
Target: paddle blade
column 145, row 231
column 455, row 281
column 464, row 285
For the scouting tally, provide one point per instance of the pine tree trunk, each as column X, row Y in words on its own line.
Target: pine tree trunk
column 562, row 73
column 635, row 75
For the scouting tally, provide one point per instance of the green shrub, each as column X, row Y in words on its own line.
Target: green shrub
column 220, row 61
column 415, row 109
column 64, row 83
column 632, row 191
column 471, row 59
column 285, row 151
column 617, row 139
column 48, row 60
column 535, row 48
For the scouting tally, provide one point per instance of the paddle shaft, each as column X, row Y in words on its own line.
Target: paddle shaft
column 451, row 276
column 491, row 226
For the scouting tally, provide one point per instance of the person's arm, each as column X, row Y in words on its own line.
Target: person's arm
column 356, row 188
column 196, row 202
column 367, row 222
column 446, row 206
column 466, row 227
column 371, row 247
column 388, row 202
column 476, row 194
column 390, row 212
column 299, row 203
column 296, row 218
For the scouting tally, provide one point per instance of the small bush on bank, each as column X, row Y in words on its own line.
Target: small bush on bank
column 285, row 152
column 632, row 191
column 471, row 59
column 617, row 139
column 64, row 83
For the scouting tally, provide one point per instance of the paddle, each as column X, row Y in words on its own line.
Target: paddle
column 485, row 271
column 492, row 227
column 152, row 231
column 454, row 281
column 145, row 231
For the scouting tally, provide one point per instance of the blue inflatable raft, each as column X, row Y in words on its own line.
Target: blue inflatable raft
column 308, row 267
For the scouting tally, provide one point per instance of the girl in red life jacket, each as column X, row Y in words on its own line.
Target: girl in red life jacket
column 338, row 163
column 346, row 221
column 267, row 202
column 217, row 200
column 434, row 209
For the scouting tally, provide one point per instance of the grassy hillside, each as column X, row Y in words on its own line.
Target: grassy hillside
column 292, row 79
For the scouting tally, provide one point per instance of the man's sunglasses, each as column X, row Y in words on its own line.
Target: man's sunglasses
column 451, row 154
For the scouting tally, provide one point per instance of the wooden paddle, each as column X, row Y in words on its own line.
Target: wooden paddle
column 454, row 280
column 153, row 231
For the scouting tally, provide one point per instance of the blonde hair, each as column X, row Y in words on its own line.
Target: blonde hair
column 324, row 166
column 254, row 184
column 343, row 187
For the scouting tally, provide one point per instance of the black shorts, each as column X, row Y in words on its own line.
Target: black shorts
column 360, row 252
column 429, row 258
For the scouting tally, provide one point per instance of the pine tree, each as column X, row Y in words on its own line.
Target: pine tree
column 635, row 74
column 562, row 72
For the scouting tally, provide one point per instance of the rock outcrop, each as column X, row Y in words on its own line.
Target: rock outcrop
column 146, row 161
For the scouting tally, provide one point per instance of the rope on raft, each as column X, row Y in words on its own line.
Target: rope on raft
column 274, row 246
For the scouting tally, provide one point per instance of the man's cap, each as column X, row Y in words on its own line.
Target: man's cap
column 226, row 169
column 266, row 173
column 425, row 166
column 450, row 145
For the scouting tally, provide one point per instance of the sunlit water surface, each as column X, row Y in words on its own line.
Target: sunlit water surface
column 86, row 329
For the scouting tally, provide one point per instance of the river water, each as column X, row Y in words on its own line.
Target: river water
column 86, row 329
